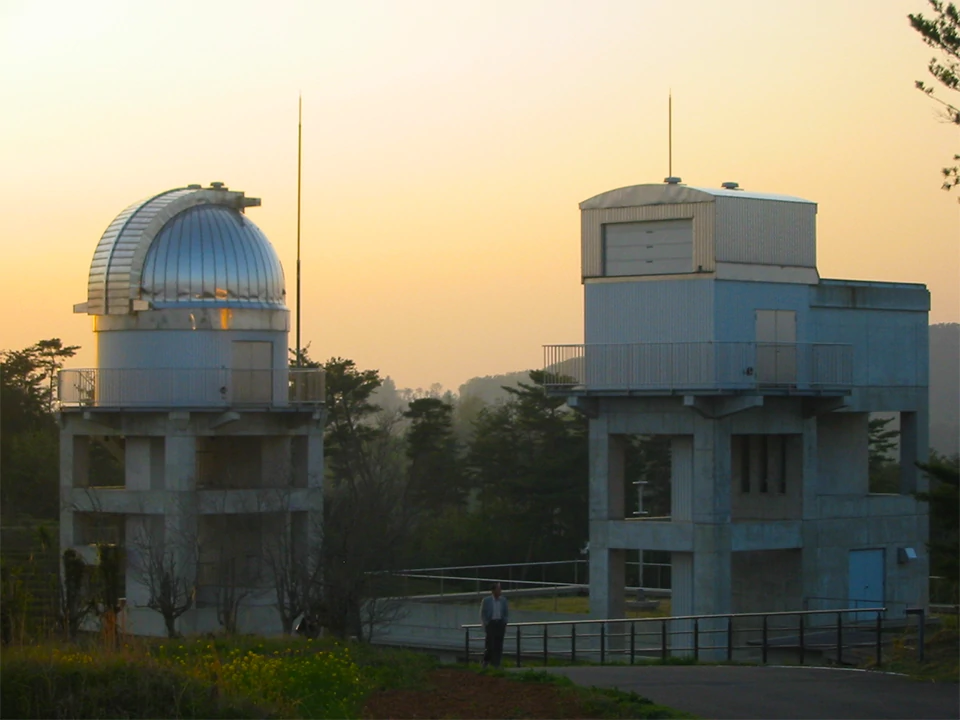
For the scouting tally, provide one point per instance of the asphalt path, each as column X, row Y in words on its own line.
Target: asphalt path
column 777, row 693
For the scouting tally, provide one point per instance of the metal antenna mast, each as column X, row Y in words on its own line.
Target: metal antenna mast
column 299, row 163
column 670, row 134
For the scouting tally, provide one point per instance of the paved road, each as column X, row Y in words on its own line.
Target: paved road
column 775, row 693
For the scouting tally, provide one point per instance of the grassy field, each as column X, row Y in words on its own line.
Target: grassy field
column 941, row 654
column 284, row 678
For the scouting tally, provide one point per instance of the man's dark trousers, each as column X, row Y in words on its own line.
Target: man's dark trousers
column 493, row 648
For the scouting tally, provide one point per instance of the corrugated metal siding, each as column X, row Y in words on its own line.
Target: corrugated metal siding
column 653, row 311
column 766, row 232
column 108, row 287
column 592, row 221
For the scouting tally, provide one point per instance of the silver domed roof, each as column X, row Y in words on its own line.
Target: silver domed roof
column 186, row 247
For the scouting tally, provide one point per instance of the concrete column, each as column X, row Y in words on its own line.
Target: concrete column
column 681, row 599
column 180, row 463
column 608, row 578
column 914, row 441
column 681, row 478
column 607, row 494
column 314, row 456
column 73, row 453
column 137, row 538
column 276, row 463
column 701, row 580
column 137, row 463
column 711, row 471
column 809, row 569
column 607, row 497
column 180, row 512
column 314, row 461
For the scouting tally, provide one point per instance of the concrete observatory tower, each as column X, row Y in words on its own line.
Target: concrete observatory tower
column 706, row 322
column 221, row 444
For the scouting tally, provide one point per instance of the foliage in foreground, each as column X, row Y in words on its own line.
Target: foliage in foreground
column 184, row 680
column 941, row 655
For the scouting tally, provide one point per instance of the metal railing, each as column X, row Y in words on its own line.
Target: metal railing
column 694, row 636
column 190, row 387
column 816, row 602
column 552, row 574
column 699, row 366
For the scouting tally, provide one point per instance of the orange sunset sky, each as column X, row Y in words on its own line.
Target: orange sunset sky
column 447, row 144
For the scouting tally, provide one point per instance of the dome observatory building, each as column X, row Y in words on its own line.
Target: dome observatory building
column 220, row 443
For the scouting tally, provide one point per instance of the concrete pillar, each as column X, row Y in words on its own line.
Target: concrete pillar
column 914, row 441
column 180, row 532
column 139, row 535
column 137, row 463
column 607, row 498
column 314, row 456
column 276, row 461
column 180, row 463
column 607, row 581
column 312, row 520
column 681, row 478
column 810, row 512
column 711, row 471
column 701, row 579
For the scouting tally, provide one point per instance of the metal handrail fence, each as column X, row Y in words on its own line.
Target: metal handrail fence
column 574, row 573
column 691, row 639
column 706, row 366
column 190, row 387
column 816, row 602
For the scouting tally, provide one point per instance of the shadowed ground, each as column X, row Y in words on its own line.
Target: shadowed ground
column 777, row 693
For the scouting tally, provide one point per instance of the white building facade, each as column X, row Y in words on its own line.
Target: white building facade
column 221, row 445
column 706, row 321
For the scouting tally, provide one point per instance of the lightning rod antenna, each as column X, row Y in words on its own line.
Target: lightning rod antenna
column 299, row 163
column 669, row 134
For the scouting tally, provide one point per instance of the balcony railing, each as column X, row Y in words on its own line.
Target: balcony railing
column 190, row 387
column 700, row 367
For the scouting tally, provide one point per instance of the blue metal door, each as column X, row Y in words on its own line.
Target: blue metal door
column 866, row 581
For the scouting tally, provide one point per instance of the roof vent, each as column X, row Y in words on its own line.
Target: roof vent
column 194, row 186
column 216, row 185
column 672, row 180
column 729, row 185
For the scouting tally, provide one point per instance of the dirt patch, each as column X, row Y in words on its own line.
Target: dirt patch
column 452, row 693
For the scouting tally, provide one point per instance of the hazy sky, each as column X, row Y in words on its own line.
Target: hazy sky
column 447, row 144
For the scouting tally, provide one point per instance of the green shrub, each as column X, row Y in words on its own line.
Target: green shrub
column 80, row 686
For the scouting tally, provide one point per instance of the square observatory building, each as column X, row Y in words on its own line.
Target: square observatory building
column 706, row 322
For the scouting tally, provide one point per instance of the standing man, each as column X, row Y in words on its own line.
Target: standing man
column 493, row 616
